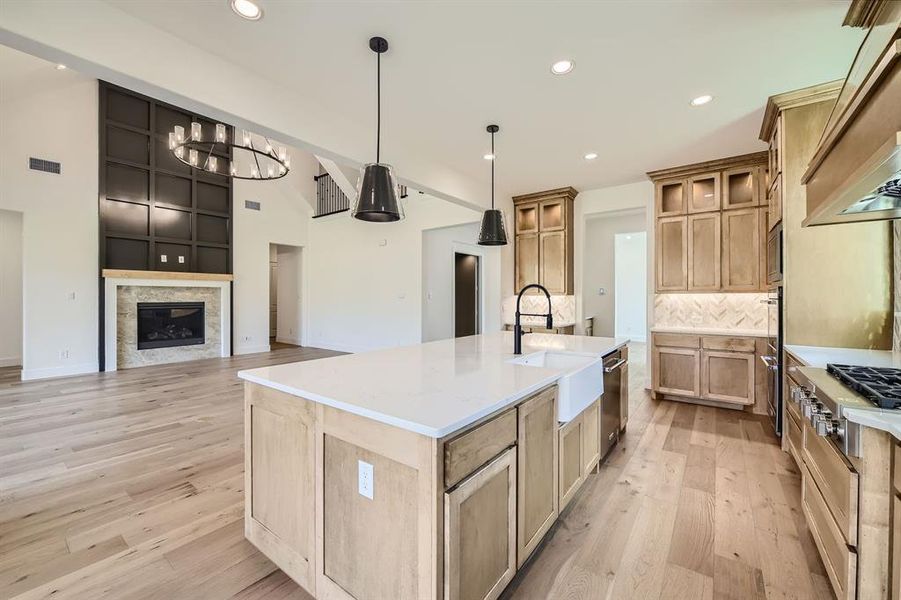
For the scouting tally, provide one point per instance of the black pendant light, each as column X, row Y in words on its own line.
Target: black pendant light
column 377, row 198
column 493, row 232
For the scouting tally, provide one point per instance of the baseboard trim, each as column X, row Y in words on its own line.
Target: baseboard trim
column 66, row 371
column 336, row 347
column 11, row 361
column 288, row 340
column 251, row 349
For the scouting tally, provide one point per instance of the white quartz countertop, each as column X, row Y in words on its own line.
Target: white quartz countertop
column 886, row 420
column 709, row 331
column 820, row 356
column 434, row 388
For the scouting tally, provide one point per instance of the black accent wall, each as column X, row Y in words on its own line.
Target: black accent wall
column 151, row 204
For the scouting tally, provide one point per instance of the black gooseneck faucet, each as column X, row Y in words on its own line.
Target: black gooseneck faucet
column 517, row 328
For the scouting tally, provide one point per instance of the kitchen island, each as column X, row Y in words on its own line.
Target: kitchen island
column 427, row 471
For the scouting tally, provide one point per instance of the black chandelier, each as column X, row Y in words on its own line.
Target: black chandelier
column 268, row 162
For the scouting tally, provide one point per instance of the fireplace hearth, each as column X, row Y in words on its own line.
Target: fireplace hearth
column 167, row 324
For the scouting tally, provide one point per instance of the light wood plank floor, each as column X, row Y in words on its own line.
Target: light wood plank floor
column 129, row 485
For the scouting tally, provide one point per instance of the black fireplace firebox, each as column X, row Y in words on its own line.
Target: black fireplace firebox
column 165, row 324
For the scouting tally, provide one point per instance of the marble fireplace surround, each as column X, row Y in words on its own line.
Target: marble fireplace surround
column 141, row 286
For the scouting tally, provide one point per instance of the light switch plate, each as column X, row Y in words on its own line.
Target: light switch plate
column 366, row 479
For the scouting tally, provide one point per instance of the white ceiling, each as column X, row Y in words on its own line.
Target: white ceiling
column 454, row 67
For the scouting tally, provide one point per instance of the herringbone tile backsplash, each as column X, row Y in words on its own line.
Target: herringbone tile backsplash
column 720, row 311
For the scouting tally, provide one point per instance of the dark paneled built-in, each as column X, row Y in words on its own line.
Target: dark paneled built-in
column 157, row 213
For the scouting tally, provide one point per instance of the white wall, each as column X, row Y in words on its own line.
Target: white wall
column 599, row 270
column 52, row 114
column 438, row 248
column 363, row 281
column 10, row 288
column 290, row 294
column 630, row 252
column 619, row 198
column 284, row 218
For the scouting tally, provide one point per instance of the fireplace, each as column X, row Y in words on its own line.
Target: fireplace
column 165, row 324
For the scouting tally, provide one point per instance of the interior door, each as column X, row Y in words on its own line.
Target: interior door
column 466, row 294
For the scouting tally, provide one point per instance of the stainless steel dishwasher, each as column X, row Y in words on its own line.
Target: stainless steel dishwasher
column 610, row 401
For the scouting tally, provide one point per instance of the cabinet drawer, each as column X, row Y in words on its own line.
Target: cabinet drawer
column 836, row 481
column 677, row 340
column 468, row 452
column 732, row 344
column 838, row 558
column 795, row 438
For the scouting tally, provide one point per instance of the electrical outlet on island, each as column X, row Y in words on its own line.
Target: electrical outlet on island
column 365, row 473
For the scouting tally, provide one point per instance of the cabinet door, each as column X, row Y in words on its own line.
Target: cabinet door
column 775, row 149
column 741, row 250
column 896, row 547
column 704, row 252
column 526, row 260
column 740, row 188
column 704, row 193
column 552, row 215
column 672, row 254
column 526, row 218
column 624, row 395
column 570, row 471
column 552, row 262
column 762, row 250
column 591, row 441
column 774, row 203
column 537, row 481
column 480, row 532
column 727, row 376
column 670, row 198
column 677, row 371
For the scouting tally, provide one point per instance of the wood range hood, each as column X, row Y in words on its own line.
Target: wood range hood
column 855, row 173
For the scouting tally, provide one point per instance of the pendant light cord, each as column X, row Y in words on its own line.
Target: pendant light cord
column 378, row 106
column 493, row 159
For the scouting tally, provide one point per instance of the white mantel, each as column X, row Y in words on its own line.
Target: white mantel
column 114, row 279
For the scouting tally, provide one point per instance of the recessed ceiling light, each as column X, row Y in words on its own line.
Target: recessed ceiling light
column 489, row 156
column 247, row 9
column 702, row 100
column 60, row 67
column 562, row 67
column 591, row 156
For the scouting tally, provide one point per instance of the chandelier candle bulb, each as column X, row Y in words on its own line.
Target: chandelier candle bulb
column 196, row 131
column 173, row 141
column 245, row 136
column 179, row 133
column 192, row 157
column 220, row 132
column 212, row 164
column 271, row 171
column 180, row 152
column 233, row 169
column 282, row 153
column 254, row 172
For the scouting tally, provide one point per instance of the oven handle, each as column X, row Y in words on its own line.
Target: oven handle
column 770, row 362
column 614, row 366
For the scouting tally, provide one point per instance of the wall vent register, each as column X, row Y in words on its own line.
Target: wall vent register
column 46, row 166
column 167, row 324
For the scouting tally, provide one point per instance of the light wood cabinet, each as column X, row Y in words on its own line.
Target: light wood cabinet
column 896, row 547
column 728, row 376
column 672, row 254
column 704, row 251
column 469, row 451
column 544, row 240
column 705, row 215
column 570, row 471
column 526, row 260
column 677, row 371
column 591, row 441
column 774, row 203
column 741, row 250
column 669, row 198
column 480, row 532
column 704, row 192
column 537, row 468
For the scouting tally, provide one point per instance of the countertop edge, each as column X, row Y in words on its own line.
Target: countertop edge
column 876, row 419
column 419, row 428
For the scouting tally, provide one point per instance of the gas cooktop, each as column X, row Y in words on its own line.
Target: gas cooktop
column 879, row 385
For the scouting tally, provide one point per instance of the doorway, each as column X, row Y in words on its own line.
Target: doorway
column 466, row 294
column 630, row 251
column 11, row 289
column 284, row 307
